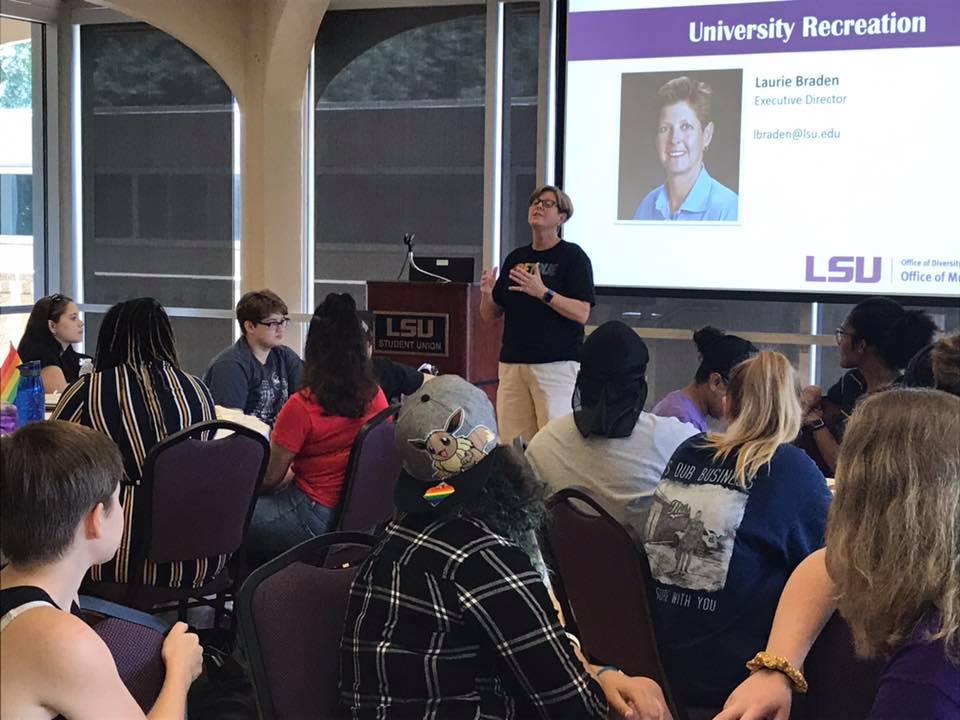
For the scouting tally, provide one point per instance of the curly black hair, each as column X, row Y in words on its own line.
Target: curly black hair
column 895, row 333
column 511, row 503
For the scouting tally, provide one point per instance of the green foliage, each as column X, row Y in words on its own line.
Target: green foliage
column 133, row 66
column 443, row 60
column 16, row 82
column 524, row 38
column 440, row 61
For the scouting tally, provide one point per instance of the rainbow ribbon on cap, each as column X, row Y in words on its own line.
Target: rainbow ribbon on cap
column 439, row 493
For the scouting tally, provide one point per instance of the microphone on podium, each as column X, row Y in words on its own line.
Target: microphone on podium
column 408, row 241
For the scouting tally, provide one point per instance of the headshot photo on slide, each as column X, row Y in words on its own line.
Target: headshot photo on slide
column 680, row 146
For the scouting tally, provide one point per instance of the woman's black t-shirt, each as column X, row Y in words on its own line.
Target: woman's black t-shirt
column 50, row 355
column 533, row 332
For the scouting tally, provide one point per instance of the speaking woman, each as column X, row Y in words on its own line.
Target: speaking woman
column 544, row 294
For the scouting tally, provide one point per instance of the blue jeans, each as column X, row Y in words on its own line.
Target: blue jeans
column 283, row 520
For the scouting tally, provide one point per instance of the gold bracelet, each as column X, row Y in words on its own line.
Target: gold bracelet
column 779, row 663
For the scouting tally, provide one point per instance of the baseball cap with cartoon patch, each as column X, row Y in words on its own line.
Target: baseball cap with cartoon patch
column 444, row 434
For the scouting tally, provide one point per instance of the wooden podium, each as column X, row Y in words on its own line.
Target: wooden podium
column 439, row 323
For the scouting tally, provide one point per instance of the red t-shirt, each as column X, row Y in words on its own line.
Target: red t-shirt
column 321, row 443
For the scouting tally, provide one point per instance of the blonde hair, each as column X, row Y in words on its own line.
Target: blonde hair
column 764, row 402
column 945, row 362
column 893, row 534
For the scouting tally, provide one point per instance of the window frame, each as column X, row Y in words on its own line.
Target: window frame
column 44, row 149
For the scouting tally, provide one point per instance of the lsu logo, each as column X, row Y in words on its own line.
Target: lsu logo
column 410, row 327
column 845, row 269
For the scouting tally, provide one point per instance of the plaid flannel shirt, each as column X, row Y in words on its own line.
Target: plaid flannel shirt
column 447, row 619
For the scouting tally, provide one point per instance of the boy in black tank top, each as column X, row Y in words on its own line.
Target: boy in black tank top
column 60, row 513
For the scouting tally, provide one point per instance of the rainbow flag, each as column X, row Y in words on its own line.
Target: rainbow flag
column 10, row 375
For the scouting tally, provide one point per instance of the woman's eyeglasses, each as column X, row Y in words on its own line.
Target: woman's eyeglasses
column 544, row 203
column 275, row 324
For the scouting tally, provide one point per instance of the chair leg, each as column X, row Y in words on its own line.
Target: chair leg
column 219, row 608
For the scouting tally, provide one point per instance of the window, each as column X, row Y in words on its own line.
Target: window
column 673, row 356
column 399, row 132
column 519, row 145
column 832, row 315
column 20, row 103
column 158, row 196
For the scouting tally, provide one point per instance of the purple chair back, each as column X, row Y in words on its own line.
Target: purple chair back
column 842, row 686
column 291, row 619
column 202, row 491
column 372, row 473
column 605, row 586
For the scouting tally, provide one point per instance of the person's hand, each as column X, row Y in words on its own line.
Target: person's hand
column 527, row 282
column 487, row 280
column 765, row 695
column 811, row 416
column 811, row 397
column 182, row 653
column 633, row 698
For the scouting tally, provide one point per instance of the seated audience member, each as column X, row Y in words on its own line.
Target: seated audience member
column 395, row 379
column 733, row 516
column 876, row 342
column 946, row 364
column 919, row 371
column 315, row 431
column 258, row 372
column 60, row 513
column 449, row 616
column 137, row 396
column 54, row 324
column 703, row 398
column 608, row 444
column 892, row 547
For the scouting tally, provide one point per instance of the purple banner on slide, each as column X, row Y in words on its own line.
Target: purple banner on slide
column 768, row 27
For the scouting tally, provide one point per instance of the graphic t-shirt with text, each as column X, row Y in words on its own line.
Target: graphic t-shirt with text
column 720, row 555
column 533, row 332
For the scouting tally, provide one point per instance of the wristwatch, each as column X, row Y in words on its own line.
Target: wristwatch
column 816, row 425
column 548, row 296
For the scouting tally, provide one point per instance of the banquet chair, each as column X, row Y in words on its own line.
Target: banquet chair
column 842, row 686
column 135, row 640
column 197, row 496
column 291, row 614
column 605, row 587
column 371, row 475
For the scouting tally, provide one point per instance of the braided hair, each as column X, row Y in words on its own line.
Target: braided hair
column 135, row 332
